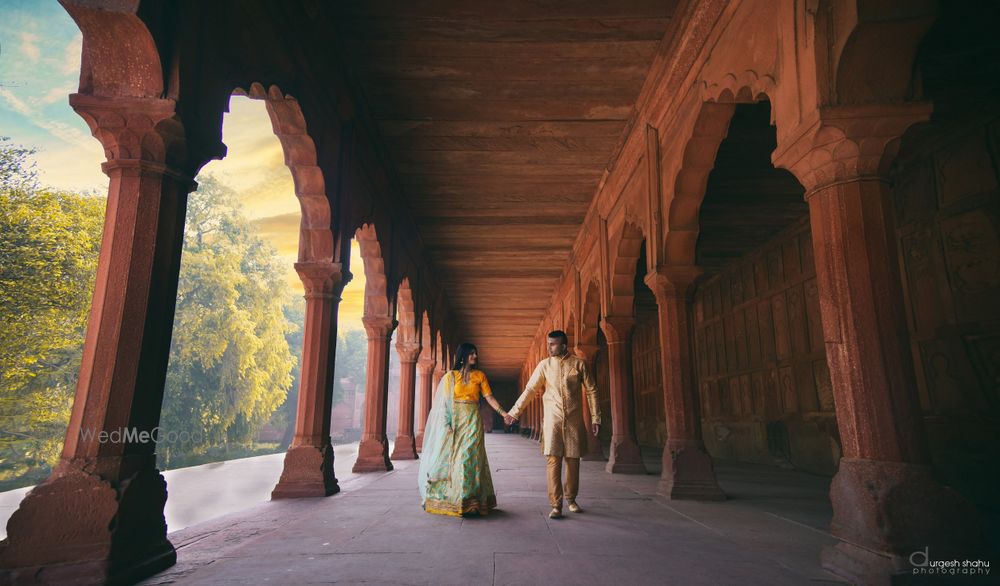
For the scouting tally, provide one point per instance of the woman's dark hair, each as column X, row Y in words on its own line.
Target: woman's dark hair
column 462, row 354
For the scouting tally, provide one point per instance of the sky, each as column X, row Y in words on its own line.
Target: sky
column 40, row 48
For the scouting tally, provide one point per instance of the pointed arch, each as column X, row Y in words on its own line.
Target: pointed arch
column 710, row 128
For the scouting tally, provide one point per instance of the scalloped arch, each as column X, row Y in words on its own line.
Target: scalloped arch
column 682, row 228
column 742, row 88
column 376, row 284
column 406, row 311
column 623, row 267
column 316, row 240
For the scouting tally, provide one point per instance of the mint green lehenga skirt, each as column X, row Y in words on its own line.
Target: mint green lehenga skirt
column 458, row 480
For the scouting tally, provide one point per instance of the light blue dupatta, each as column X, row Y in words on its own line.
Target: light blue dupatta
column 438, row 436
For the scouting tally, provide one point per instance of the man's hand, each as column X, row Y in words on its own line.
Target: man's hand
column 596, row 429
column 509, row 419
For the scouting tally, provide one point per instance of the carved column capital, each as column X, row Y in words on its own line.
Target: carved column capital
column 425, row 366
column 846, row 143
column 408, row 351
column 136, row 133
column 323, row 280
column 379, row 326
column 617, row 328
column 672, row 282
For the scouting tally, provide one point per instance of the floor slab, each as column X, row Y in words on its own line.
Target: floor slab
column 374, row 531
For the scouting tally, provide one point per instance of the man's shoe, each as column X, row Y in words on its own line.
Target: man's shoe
column 555, row 514
column 574, row 508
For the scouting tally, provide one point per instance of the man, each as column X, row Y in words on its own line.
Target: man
column 559, row 379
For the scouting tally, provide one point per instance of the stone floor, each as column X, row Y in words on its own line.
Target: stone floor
column 769, row 532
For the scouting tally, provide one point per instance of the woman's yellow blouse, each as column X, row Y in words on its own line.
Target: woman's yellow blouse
column 476, row 387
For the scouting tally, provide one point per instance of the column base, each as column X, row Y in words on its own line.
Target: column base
column 404, row 448
column 76, row 528
column 308, row 472
column 884, row 512
column 373, row 456
column 625, row 458
column 688, row 473
column 420, row 443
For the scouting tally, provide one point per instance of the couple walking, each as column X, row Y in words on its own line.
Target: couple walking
column 454, row 477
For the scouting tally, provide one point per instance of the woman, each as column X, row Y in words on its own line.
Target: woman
column 454, row 476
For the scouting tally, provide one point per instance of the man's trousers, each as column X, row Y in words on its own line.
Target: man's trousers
column 556, row 487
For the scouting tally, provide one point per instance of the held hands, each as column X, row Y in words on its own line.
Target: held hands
column 508, row 419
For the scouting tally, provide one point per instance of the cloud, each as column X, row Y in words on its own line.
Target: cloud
column 60, row 130
column 15, row 103
column 71, row 61
column 281, row 231
column 29, row 46
column 54, row 95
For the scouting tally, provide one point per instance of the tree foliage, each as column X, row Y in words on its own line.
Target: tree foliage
column 230, row 363
column 352, row 357
column 49, row 244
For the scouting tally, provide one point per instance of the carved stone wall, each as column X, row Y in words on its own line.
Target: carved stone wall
column 760, row 360
column 947, row 196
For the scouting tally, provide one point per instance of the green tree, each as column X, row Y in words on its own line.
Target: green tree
column 352, row 357
column 49, row 244
column 230, row 364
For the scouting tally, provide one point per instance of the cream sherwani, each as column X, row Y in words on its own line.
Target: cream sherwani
column 560, row 379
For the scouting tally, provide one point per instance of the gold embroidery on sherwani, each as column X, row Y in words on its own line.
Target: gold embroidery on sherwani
column 561, row 380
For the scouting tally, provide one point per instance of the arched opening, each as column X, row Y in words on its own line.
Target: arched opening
column 350, row 373
column 647, row 380
column 760, row 360
column 233, row 375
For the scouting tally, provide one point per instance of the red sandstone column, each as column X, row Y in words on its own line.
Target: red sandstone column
column 373, row 453
column 687, row 468
column 308, row 469
column 593, row 451
column 405, row 447
column 886, row 503
column 99, row 516
column 425, row 366
column 624, row 457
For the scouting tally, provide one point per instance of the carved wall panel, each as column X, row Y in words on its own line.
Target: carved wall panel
column 760, row 358
column 947, row 201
